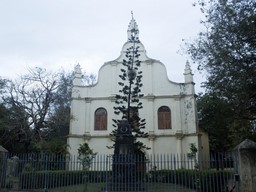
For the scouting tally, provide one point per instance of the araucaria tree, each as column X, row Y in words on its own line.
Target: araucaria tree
column 128, row 101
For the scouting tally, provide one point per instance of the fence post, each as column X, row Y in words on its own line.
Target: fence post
column 245, row 166
column 3, row 166
column 46, row 179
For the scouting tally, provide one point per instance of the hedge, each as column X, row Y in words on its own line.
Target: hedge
column 53, row 179
column 205, row 180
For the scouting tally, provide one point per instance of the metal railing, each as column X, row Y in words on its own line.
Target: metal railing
column 167, row 172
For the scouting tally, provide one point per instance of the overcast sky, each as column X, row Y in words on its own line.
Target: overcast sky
column 56, row 34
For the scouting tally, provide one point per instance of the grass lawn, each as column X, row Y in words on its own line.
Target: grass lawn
column 96, row 187
column 91, row 187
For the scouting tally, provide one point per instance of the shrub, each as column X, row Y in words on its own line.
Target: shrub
column 207, row 180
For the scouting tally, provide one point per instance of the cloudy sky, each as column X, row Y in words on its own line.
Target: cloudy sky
column 56, row 34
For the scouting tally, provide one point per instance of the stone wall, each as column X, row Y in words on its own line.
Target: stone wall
column 245, row 166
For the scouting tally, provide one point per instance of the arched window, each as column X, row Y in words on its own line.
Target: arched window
column 164, row 118
column 100, row 119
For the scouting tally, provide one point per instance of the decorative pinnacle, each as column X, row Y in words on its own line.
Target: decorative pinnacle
column 188, row 73
column 187, row 68
column 78, row 69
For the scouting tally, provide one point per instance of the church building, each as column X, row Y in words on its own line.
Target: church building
column 169, row 108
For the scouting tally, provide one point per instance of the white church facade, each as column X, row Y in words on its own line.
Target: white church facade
column 169, row 108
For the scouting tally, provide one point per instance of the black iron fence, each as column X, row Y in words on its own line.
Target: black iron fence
column 50, row 172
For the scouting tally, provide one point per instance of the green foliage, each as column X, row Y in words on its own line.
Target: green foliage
column 86, row 155
column 53, row 146
column 14, row 128
column 59, row 117
column 193, row 151
column 210, row 180
column 216, row 117
column 226, row 51
column 55, row 179
column 3, row 117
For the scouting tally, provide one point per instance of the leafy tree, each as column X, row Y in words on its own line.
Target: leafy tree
column 14, row 127
column 37, row 109
column 128, row 101
column 35, row 93
column 59, row 116
column 193, row 151
column 86, row 155
column 215, row 116
column 53, row 146
column 226, row 50
column 3, row 110
column 27, row 103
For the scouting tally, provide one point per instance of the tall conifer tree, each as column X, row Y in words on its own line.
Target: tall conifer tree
column 128, row 101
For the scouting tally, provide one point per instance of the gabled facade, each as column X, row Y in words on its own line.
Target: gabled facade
column 168, row 107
